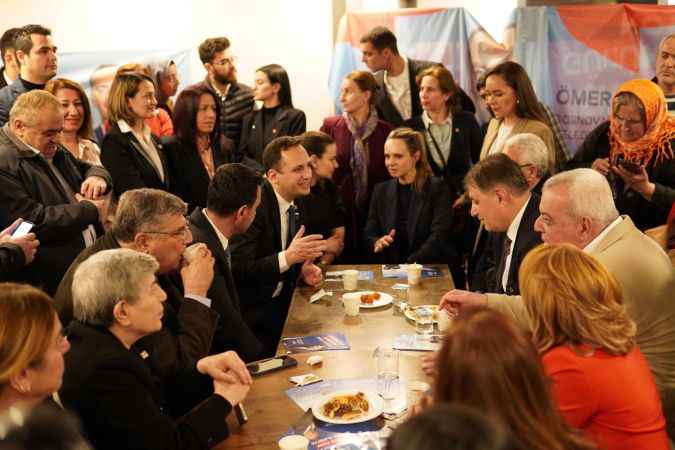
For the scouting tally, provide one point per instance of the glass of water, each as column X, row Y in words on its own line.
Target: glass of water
column 425, row 321
column 387, row 372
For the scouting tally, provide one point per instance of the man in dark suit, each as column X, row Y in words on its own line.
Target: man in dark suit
column 501, row 199
column 10, row 69
column 233, row 198
column 274, row 252
column 36, row 54
column 398, row 97
column 153, row 222
column 45, row 184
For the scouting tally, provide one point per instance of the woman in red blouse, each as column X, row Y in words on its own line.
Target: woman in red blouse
column 601, row 380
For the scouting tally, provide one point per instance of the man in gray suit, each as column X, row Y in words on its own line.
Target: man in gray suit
column 398, row 96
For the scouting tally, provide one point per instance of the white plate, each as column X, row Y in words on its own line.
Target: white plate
column 384, row 299
column 410, row 312
column 375, row 403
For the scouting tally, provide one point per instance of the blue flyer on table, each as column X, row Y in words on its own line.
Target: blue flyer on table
column 316, row 343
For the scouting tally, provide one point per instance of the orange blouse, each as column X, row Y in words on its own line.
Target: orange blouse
column 612, row 398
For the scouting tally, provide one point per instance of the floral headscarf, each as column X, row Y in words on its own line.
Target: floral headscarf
column 659, row 127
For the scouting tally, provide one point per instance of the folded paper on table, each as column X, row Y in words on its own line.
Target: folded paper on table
column 400, row 271
column 416, row 342
column 316, row 343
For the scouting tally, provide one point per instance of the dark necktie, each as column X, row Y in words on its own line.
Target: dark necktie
column 293, row 219
column 506, row 250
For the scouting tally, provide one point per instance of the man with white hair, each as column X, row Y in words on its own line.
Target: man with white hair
column 531, row 154
column 577, row 208
column 665, row 70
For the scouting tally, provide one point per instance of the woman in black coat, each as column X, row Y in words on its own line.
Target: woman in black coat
column 452, row 136
column 132, row 155
column 121, row 403
column 409, row 218
column 276, row 118
column 195, row 152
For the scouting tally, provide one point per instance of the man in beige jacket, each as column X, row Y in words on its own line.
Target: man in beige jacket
column 577, row 208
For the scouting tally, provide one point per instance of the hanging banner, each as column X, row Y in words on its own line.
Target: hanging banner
column 576, row 56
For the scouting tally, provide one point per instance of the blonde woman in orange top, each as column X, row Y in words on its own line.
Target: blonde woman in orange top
column 601, row 381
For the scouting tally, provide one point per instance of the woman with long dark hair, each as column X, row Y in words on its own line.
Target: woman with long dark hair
column 276, row 118
column 324, row 211
column 511, row 98
column 195, row 152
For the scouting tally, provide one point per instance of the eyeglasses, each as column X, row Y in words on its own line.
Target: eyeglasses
column 522, row 166
column 183, row 232
column 225, row 61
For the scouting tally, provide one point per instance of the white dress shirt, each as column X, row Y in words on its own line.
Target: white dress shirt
column 512, row 233
column 283, row 216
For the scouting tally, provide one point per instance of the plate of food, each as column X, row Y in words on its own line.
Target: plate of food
column 348, row 407
column 412, row 312
column 370, row 299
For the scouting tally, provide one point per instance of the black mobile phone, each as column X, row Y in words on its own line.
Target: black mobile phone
column 270, row 365
column 23, row 229
column 628, row 165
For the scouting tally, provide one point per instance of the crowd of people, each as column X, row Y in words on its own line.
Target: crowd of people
column 163, row 248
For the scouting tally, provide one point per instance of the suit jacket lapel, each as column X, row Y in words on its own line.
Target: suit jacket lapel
column 137, row 146
column 523, row 237
column 415, row 105
column 273, row 212
column 257, row 130
column 490, row 137
column 275, row 127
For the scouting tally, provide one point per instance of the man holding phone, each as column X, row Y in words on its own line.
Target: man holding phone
column 43, row 183
column 16, row 249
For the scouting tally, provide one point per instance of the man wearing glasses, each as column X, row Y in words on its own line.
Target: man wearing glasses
column 153, row 221
column 236, row 99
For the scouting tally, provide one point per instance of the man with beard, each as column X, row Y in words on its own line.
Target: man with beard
column 236, row 99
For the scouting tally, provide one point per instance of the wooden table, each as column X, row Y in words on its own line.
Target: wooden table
column 270, row 410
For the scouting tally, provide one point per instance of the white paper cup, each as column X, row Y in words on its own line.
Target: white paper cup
column 444, row 320
column 414, row 274
column 294, row 442
column 352, row 303
column 192, row 251
column 350, row 279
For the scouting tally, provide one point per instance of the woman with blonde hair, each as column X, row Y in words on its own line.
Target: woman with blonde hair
column 359, row 136
column 489, row 363
column 77, row 126
column 32, row 349
column 601, row 380
column 410, row 216
column 130, row 152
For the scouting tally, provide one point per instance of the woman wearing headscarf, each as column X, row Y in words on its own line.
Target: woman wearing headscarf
column 360, row 137
column 634, row 149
